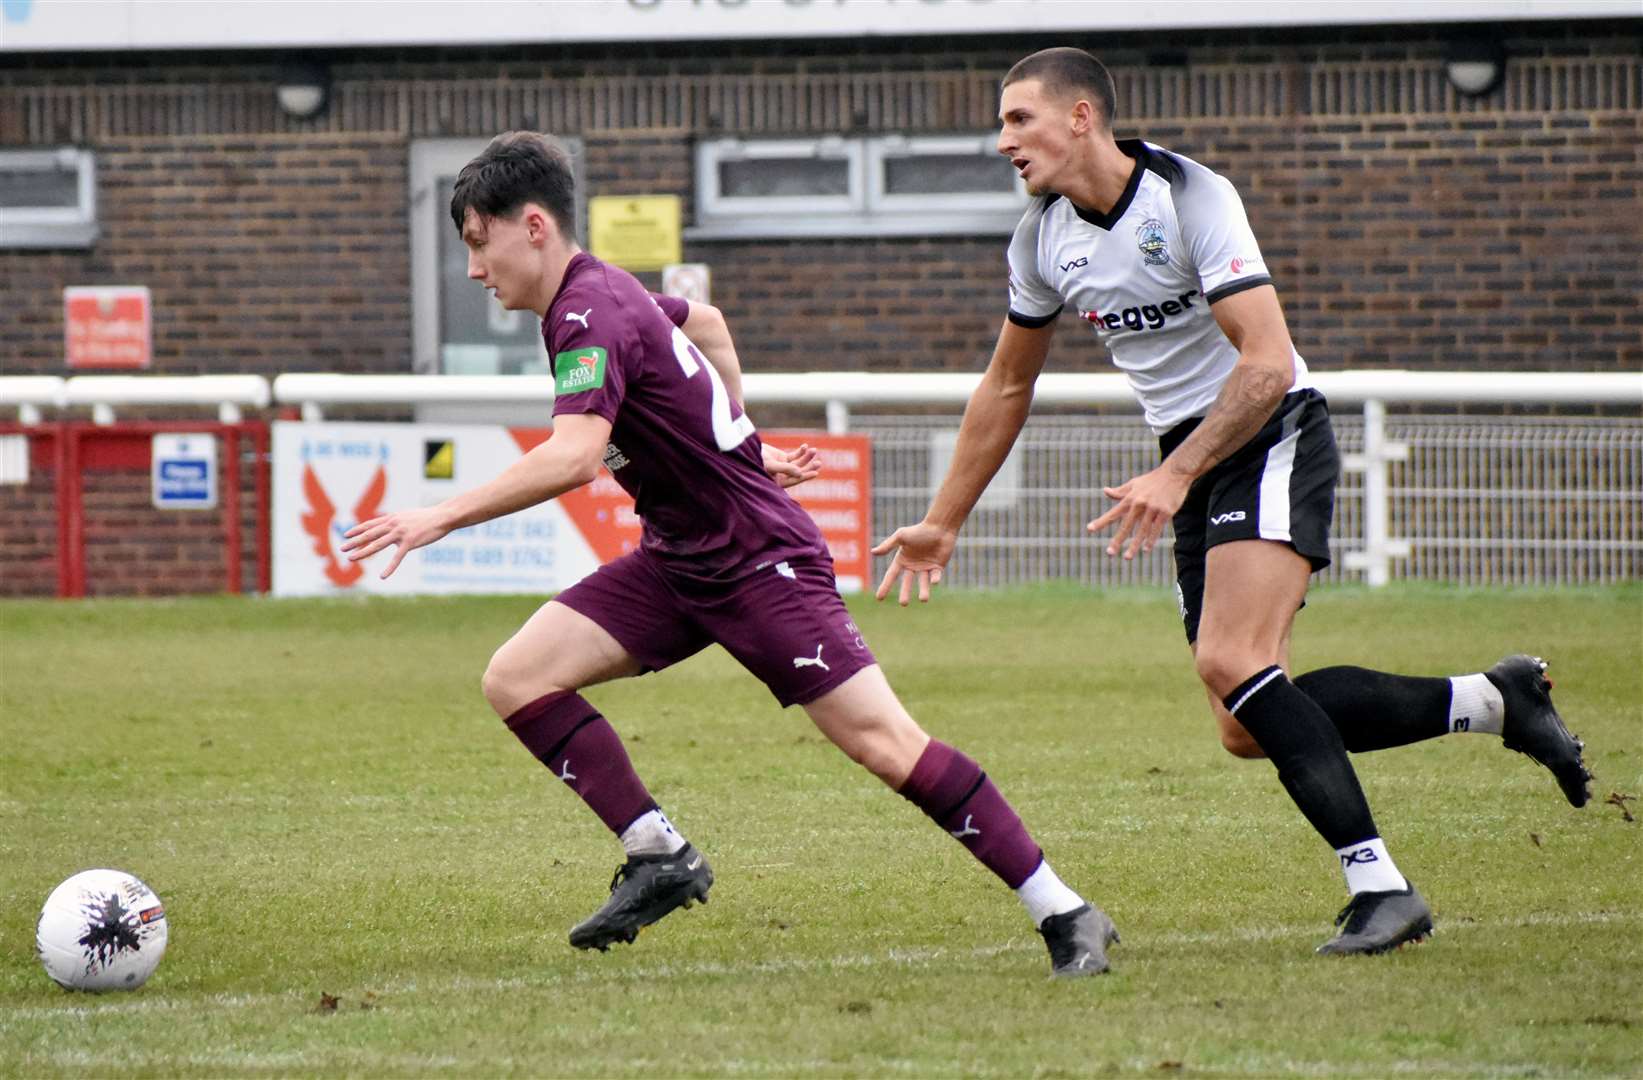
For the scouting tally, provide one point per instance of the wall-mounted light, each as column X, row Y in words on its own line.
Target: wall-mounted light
column 1475, row 65
column 303, row 90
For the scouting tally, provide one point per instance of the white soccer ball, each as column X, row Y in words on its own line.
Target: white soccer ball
column 101, row 930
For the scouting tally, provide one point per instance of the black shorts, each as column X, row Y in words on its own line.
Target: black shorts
column 1279, row 486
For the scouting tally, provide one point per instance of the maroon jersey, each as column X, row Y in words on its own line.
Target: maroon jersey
column 679, row 445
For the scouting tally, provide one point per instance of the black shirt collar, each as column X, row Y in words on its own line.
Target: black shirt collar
column 1133, row 148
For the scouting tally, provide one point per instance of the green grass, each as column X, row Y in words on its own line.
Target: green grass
column 325, row 804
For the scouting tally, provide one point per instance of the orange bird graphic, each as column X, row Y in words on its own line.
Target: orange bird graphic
column 317, row 522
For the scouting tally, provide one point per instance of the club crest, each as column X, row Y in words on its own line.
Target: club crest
column 1150, row 239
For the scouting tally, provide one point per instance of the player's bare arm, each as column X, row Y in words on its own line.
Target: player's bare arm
column 706, row 328
column 1254, row 322
column 992, row 421
column 565, row 462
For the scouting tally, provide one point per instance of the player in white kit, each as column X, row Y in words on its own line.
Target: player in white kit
column 1155, row 252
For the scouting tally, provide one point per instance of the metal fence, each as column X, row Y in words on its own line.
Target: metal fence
column 1469, row 499
column 1479, row 500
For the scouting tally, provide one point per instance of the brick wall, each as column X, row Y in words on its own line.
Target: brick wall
column 263, row 255
column 1405, row 226
column 131, row 547
column 28, row 532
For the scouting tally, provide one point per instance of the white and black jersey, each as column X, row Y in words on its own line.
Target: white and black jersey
column 1144, row 275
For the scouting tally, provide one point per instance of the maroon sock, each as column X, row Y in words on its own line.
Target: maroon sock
column 569, row 736
column 954, row 791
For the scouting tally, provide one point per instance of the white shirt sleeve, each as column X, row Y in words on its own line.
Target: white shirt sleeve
column 1032, row 302
column 1218, row 235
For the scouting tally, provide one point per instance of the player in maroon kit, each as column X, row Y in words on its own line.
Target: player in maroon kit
column 726, row 556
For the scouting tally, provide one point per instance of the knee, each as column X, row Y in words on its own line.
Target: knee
column 875, row 751
column 494, row 685
column 507, row 686
column 885, row 748
column 1222, row 668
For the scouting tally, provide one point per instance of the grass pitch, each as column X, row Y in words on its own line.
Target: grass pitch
column 366, row 875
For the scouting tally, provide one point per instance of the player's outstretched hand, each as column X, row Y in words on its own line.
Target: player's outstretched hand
column 790, row 467
column 406, row 529
column 1146, row 503
column 922, row 552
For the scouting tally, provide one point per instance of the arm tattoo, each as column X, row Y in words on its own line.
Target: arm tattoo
column 1246, row 401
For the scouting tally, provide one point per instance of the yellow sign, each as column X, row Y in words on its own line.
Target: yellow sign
column 439, row 459
column 635, row 232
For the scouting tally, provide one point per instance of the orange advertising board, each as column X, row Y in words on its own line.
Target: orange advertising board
column 107, row 327
column 840, row 500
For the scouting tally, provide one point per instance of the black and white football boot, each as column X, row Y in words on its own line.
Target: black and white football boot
column 1078, row 941
column 1374, row 922
column 644, row 889
column 1533, row 727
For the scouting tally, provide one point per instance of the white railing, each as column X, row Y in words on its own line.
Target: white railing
column 1370, row 499
column 837, row 392
column 101, row 393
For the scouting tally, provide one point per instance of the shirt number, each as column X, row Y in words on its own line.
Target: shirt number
column 728, row 433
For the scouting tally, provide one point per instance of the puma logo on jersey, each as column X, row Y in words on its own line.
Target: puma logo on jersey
column 966, row 830
column 805, row 661
column 1227, row 518
column 571, row 316
column 786, row 571
column 564, row 772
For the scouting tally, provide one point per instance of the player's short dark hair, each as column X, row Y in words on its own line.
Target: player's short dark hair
column 516, row 168
column 1069, row 72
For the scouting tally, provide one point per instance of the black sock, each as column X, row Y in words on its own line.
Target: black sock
column 1373, row 710
column 1307, row 750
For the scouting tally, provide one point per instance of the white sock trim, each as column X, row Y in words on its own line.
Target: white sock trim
column 1475, row 704
column 1368, row 868
column 1045, row 894
column 1275, row 673
column 651, row 834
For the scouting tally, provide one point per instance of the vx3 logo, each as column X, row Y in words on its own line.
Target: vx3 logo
column 1362, row 855
column 1075, row 264
column 1227, row 518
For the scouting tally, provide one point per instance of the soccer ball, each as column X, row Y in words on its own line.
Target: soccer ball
column 101, row 930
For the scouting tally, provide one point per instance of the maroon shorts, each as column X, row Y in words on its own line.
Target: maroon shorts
column 785, row 623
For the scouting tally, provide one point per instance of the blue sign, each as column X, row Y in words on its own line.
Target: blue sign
column 185, row 472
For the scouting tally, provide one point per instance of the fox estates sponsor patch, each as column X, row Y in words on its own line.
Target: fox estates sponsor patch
column 579, row 369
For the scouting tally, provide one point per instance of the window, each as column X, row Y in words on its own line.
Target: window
column 48, row 198
column 457, row 327
column 889, row 185
column 779, row 179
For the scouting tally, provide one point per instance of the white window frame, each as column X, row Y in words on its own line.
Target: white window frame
column 52, row 226
column 712, row 204
column 981, row 207
column 867, row 210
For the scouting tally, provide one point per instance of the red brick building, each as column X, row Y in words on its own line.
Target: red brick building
column 1406, row 224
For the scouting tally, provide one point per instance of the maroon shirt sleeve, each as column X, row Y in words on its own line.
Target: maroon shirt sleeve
column 676, row 308
column 592, row 357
